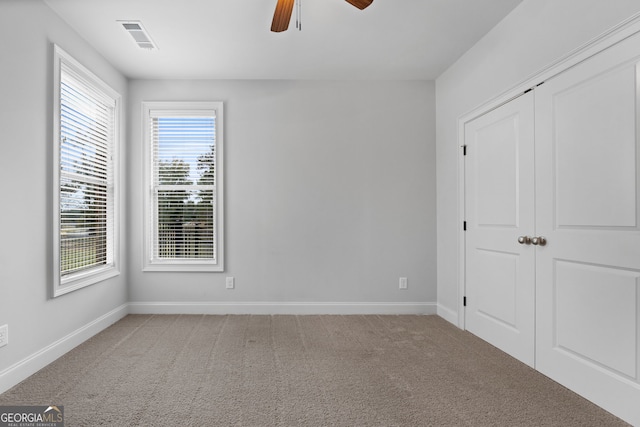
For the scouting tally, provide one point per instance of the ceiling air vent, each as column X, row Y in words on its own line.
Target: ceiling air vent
column 139, row 34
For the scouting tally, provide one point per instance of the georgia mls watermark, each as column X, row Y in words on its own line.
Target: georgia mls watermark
column 31, row 416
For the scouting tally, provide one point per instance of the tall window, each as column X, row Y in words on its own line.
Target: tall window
column 184, row 186
column 85, row 122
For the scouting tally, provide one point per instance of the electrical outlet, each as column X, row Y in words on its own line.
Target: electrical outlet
column 4, row 335
column 403, row 283
column 230, row 283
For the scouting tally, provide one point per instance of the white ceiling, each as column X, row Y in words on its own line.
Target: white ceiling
column 231, row 39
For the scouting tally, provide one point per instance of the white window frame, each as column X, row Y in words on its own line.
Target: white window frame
column 71, row 282
column 177, row 109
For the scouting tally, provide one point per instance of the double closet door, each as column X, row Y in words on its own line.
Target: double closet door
column 552, row 247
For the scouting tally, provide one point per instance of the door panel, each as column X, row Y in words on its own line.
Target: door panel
column 495, row 169
column 497, row 300
column 587, row 276
column 499, row 208
column 595, row 137
column 582, row 291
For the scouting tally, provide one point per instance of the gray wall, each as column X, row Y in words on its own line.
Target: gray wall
column 27, row 31
column 329, row 192
column 533, row 36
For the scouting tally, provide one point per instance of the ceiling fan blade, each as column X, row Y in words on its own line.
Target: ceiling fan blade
column 282, row 15
column 360, row 4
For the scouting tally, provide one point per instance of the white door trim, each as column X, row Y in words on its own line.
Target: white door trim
column 605, row 40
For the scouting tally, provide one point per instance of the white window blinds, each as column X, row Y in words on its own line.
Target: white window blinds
column 86, row 175
column 184, row 183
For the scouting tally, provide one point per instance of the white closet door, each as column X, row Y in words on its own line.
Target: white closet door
column 587, row 207
column 499, row 207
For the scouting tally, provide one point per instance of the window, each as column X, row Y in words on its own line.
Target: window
column 86, row 115
column 183, row 218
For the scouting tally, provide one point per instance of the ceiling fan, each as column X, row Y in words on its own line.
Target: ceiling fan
column 284, row 8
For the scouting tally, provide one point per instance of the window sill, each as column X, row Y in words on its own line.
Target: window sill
column 84, row 279
column 185, row 266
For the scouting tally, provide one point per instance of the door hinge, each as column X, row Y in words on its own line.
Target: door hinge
column 464, row 150
column 464, row 301
column 464, row 225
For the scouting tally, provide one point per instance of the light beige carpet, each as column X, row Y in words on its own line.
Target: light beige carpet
column 298, row 371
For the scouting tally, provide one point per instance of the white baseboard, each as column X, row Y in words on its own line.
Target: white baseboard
column 21, row 370
column 281, row 308
column 448, row 314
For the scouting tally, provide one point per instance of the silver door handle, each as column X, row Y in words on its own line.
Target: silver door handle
column 541, row 241
column 524, row 240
